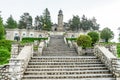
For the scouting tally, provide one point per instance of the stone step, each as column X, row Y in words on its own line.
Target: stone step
column 62, row 63
column 60, row 69
column 76, row 79
column 84, row 67
column 67, row 60
column 66, row 72
column 64, row 57
column 71, row 76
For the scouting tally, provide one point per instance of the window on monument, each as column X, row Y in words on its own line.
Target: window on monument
column 23, row 34
column 31, row 35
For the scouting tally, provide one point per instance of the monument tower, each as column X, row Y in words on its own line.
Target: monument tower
column 60, row 21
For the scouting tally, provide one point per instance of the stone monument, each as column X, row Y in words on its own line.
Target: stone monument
column 60, row 21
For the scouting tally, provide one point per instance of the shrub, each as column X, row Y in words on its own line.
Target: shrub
column 84, row 41
column 118, row 49
column 6, row 44
column 94, row 36
column 4, row 56
column 27, row 39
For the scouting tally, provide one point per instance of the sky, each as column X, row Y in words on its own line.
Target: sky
column 107, row 12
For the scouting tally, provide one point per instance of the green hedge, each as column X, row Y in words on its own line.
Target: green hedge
column 71, row 39
column 118, row 49
column 29, row 39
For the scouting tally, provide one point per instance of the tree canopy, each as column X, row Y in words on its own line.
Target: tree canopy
column 106, row 34
column 11, row 23
column 83, row 24
column 25, row 22
column 75, row 23
column 46, row 20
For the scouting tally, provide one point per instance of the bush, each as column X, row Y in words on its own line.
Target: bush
column 84, row 41
column 28, row 39
column 118, row 49
column 94, row 36
column 6, row 44
column 4, row 56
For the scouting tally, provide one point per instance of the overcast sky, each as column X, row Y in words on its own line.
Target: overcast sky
column 107, row 12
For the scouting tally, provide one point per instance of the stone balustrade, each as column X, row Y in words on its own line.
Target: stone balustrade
column 4, row 73
column 65, row 40
column 116, row 66
column 111, row 47
column 19, row 64
column 108, row 59
column 40, row 48
column 42, row 45
column 77, row 48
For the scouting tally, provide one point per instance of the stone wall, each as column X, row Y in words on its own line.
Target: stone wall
column 11, row 33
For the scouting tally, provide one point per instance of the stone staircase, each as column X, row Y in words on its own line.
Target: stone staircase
column 57, row 47
column 59, row 62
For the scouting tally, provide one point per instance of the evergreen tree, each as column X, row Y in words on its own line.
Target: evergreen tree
column 75, row 23
column 37, row 23
column 46, row 20
column 85, row 23
column 25, row 22
column 2, row 30
column 94, row 26
column 11, row 23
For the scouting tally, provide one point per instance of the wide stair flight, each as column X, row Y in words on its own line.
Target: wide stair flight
column 62, row 63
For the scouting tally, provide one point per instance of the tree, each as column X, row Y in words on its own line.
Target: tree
column 2, row 30
column 84, row 41
column 46, row 20
column 95, row 26
column 37, row 23
column 75, row 23
column 25, row 22
column 94, row 36
column 88, row 24
column 11, row 23
column 106, row 34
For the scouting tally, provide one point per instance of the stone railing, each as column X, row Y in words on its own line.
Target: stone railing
column 42, row 45
column 19, row 64
column 111, row 47
column 108, row 59
column 4, row 73
column 116, row 66
column 65, row 40
column 40, row 48
column 77, row 48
